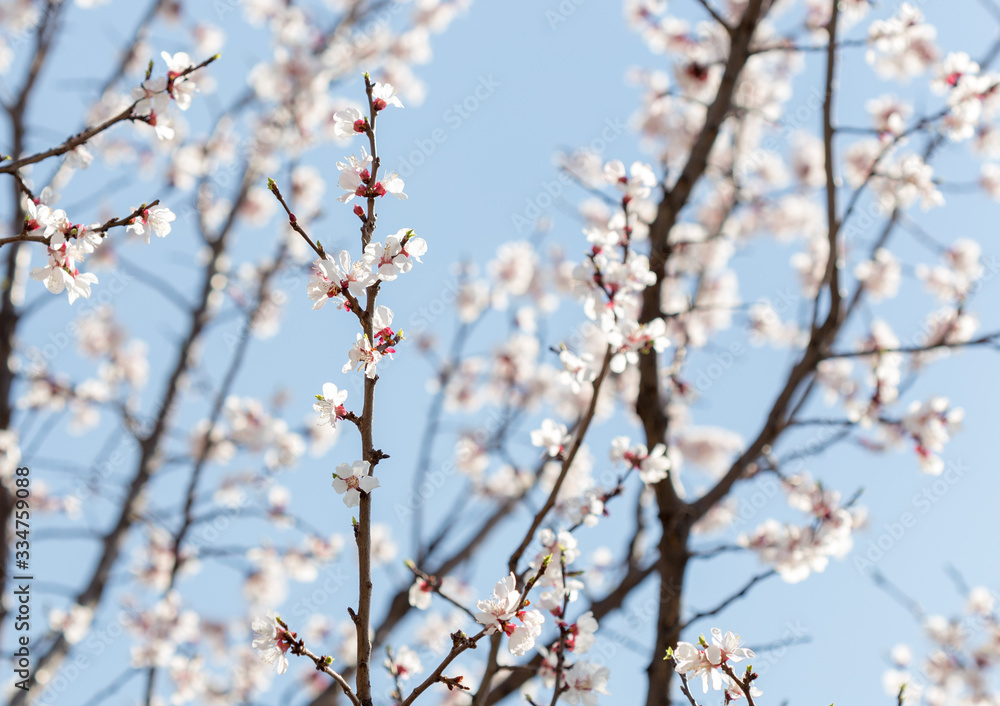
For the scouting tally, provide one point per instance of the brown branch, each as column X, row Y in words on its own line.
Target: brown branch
column 149, row 446
column 9, row 315
column 985, row 339
column 322, row 662
column 435, row 586
column 731, row 599
column 832, row 276
column 81, row 138
column 716, row 16
column 293, row 221
column 744, row 683
column 675, row 516
column 362, row 530
column 600, row 608
column 581, row 432
column 685, row 689
column 460, row 643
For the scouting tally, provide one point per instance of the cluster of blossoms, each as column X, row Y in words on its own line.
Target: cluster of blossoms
column 610, row 281
column 929, row 425
column 953, row 281
column 552, row 437
column 580, row 680
column 581, row 683
column 653, row 466
column 365, row 355
column 712, row 663
column 971, row 95
column 69, row 244
column 961, row 664
column 903, row 45
column 558, row 585
column 500, row 611
column 249, row 427
column 356, row 180
column 153, row 98
column 343, row 278
column 164, row 630
column 796, row 551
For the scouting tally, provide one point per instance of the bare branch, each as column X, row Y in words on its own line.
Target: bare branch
column 731, row 599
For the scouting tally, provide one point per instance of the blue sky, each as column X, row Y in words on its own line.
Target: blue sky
column 510, row 84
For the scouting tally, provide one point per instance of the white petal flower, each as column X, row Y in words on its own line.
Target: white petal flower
column 271, row 642
column 330, row 405
column 499, row 608
column 348, row 122
column 351, row 480
column 155, row 220
column 383, row 94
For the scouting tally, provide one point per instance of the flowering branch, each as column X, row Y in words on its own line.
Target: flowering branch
column 460, row 642
column 293, row 221
column 74, row 141
column 743, row 683
column 675, row 519
column 434, row 585
column 561, row 642
column 567, row 461
column 288, row 640
column 150, row 449
column 685, row 689
column 25, row 235
column 633, row 578
column 368, row 224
